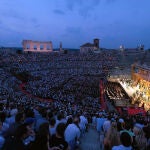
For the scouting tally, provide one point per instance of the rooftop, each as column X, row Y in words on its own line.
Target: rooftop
column 87, row 45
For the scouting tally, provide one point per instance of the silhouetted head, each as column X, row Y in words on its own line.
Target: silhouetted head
column 126, row 139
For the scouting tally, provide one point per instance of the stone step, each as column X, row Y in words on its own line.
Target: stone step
column 90, row 141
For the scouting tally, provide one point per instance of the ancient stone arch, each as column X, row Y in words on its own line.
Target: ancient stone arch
column 37, row 46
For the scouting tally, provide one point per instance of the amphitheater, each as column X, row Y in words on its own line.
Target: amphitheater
column 66, row 82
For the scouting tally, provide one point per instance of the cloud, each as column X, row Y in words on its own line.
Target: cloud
column 11, row 13
column 84, row 8
column 34, row 20
column 13, row 20
column 58, row 11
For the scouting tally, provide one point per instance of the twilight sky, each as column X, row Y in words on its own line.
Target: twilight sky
column 75, row 22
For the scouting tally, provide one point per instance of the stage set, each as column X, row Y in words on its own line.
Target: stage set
column 137, row 100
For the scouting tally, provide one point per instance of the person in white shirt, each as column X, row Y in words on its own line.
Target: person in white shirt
column 72, row 133
column 107, row 124
column 11, row 119
column 83, row 123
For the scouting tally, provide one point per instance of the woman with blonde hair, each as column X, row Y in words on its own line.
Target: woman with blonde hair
column 140, row 138
column 112, row 137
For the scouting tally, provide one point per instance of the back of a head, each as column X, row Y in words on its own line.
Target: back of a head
column 29, row 113
column 136, row 130
column 128, row 125
column 61, row 129
column 13, row 112
column 52, row 121
column 125, row 139
column 43, row 112
column 43, row 129
column 76, row 120
column 69, row 121
column 60, row 116
column 42, row 137
column 19, row 117
column 119, row 126
column 2, row 116
column 50, row 114
column 109, row 117
column 21, row 131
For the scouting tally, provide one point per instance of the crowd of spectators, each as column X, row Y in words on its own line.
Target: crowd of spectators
column 72, row 81
column 122, row 132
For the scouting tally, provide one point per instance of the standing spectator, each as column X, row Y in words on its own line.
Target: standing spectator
column 42, row 119
column 11, row 119
column 19, row 119
column 5, row 125
column 2, row 139
column 112, row 137
column 147, row 135
column 107, row 124
column 72, row 133
column 52, row 126
column 83, row 124
column 126, row 142
column 58, row 139
column 17, row 142
column 42, row 139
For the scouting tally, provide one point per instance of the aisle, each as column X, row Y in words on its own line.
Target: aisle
column 90, row 141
